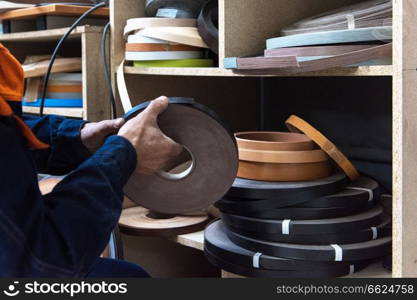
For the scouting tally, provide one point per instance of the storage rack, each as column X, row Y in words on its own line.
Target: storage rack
column 85, row 41
column 243, row 27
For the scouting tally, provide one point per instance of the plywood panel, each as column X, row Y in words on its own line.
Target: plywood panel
column 234, row 99
column 95, row 95
column 405, row 139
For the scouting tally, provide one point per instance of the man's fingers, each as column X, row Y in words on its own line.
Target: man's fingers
column 110, row 126
column 118, row 123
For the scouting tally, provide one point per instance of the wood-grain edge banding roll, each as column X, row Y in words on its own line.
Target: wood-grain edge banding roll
column 274, row 141
column 284, row 172
column 147, row 47
column 280, row 156
column 139, row 221
column 296, row 124
column 277, row 157
column 290, row 64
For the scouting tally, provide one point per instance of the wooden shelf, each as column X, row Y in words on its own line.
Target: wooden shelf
column 49, row 35
column 51, row 10
column 66, row 112
column 193, row 240
column 219, row 72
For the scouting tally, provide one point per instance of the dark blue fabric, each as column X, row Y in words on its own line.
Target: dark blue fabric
column 63, row 233
column 110, row 268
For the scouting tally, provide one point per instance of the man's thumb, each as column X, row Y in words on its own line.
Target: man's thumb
column 157, row 106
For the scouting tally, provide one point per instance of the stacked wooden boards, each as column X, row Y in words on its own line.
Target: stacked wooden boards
column 325, row 42
column 64, row 90
column 165, row 42
column 327, row 227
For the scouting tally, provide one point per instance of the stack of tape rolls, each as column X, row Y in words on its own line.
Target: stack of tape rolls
column 330, row 225
column 358, row 35
column 64, row 90
column 164, row 42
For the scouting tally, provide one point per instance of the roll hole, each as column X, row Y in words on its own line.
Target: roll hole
column 158, row 216
column 179, row 167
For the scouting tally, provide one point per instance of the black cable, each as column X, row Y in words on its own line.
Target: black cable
column 58, row 47
column 106, row 69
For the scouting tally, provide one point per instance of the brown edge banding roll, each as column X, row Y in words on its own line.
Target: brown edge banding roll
column 139, row 221
column 278, row 157
column 284, row 172
column 296, row 124
column 274, row 141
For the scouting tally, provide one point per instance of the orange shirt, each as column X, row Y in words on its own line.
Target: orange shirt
column 11, row 90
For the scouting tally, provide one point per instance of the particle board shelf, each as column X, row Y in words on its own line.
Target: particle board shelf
column 49, row 35
column 66, row 112
column 357, row 71
column 192, row 240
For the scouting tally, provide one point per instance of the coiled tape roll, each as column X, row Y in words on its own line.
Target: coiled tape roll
column 214, row 168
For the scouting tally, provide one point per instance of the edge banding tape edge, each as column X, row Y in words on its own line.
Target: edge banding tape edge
column 338, row 252
column 122, row 88
column 370, row 192
column 296, row 123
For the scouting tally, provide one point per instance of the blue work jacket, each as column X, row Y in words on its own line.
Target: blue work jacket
column 63, row 233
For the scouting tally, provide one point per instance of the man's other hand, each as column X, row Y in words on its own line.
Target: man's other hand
column 93, row 135
column 153, row 147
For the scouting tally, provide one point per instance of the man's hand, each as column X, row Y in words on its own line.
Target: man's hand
column 93, row 135
column 153, row 147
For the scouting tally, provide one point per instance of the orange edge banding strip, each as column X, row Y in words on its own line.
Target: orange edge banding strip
column 65, row 89
column 296, row 124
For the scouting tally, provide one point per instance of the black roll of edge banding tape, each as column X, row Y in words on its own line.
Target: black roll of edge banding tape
column 139, row 108
column 180, row 101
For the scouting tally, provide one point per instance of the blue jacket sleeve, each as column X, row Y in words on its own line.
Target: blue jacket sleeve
column 63, row 233
column 66, row 150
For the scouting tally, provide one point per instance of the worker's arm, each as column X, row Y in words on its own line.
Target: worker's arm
column 71, row 141
column 64, row 232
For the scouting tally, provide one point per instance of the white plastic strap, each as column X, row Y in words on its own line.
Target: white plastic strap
column 167, row 13
column 286, row 227
column 352, row 270
column 370, row 192
column 121, row 86
column 374, row 233
column 338, row 253
column 351, row 21
column 256, row 260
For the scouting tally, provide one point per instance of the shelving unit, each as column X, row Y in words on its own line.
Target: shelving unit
column 244, row 25
column 84, row 40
